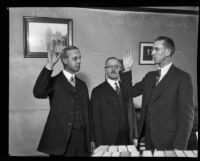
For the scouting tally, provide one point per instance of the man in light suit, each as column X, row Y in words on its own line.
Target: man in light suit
column 167, row 112
column 66, row 132
column 114, row 119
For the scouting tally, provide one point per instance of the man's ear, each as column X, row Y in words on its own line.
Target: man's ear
column 64, row 60
column 168, row 52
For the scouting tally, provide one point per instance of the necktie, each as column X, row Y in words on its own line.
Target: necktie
column 72, row 81
column 158, row 76
column 117, row 89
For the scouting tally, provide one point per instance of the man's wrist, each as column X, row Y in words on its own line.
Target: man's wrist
column 126, row 69
column 49, row 66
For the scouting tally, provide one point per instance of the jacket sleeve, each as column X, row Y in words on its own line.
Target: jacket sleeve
column 96, row 113
column 91, row 122
column 185, row 111
column 128, row 89
column 132, row 120
column 42, row 85
column 135, row 127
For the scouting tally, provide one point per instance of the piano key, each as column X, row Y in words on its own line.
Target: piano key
column 122, row 148
column 124, row 154
column 158, row 153
column 116, row 154
column 195, row 152
column 107, row 154
column 169, row 153
column 189, row 153
column 131, row 148
column 135, row 154
column 147, row 153
column 179, row 153
column 113, row 148
column 98, row 154
column 103, row 148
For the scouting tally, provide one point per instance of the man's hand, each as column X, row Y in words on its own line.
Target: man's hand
column 53, row 56
column 135, row 142
column 93, row 146
column 127, row 60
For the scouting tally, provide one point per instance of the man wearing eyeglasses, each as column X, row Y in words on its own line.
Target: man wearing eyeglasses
column 113, row 114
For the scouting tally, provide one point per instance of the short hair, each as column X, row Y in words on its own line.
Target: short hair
column 112, row 58
column 168, row 42
column 68, row 48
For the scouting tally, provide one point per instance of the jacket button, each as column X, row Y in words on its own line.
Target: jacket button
column 69, row 124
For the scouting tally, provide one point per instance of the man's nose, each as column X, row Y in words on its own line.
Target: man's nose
column 153, row 52
column 78, row 60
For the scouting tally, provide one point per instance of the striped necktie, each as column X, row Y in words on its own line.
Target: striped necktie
column 158, row 74
column 72, row 81
column 117, row 89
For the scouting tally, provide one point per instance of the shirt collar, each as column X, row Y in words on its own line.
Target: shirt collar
column 68, row 75
column 112, row 82
column 165, row 69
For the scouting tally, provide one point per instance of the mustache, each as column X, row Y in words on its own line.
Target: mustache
column 113, row 72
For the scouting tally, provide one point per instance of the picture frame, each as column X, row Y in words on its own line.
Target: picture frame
column 145, row 57
column 40, row 31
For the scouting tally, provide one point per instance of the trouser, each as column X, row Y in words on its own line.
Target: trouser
column 123, row 137
column 148, row 139
column 77, row 144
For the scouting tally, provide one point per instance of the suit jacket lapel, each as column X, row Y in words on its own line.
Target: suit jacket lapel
column 164, row 83
column 66, row 83
column 112, row 95
column 148, row 92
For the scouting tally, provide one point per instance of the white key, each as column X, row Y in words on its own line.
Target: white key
column 122, row 148
column 131, row 148
column 98, row 154
column 124, row 154
column 103, row 148
column 147, row 153
column 170, row 153
column 113, row 148
column 189, row 153
column 158, row 153
column 179, row 153
column 195, row 152
column 107, row 154
column 116, row 154
column 135, row 154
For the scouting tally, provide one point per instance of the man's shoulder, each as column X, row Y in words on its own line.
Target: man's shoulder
column 99, row 87
column 180, row 72
column 80, row 81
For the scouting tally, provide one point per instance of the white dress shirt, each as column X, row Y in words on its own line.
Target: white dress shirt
column 164, row 70
column 68, row 75
column 112, row 82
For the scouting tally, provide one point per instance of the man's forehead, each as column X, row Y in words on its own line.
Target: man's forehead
column 73, row 53
column 113, row 61
column 159, row 42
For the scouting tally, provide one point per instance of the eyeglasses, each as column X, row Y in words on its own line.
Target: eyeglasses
column 113, row 66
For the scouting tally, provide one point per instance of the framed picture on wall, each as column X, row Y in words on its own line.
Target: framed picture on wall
column 145, row 57
column 40, row 31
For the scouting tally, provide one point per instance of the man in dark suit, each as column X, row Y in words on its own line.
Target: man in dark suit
column 66, row 132
column 167, row 112
column 114, row 119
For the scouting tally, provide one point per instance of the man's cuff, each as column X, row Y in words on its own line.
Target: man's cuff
column 48, row 67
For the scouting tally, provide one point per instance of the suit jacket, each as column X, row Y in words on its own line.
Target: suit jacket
column 171, row 107
column 105, row 109
column 62, row 98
